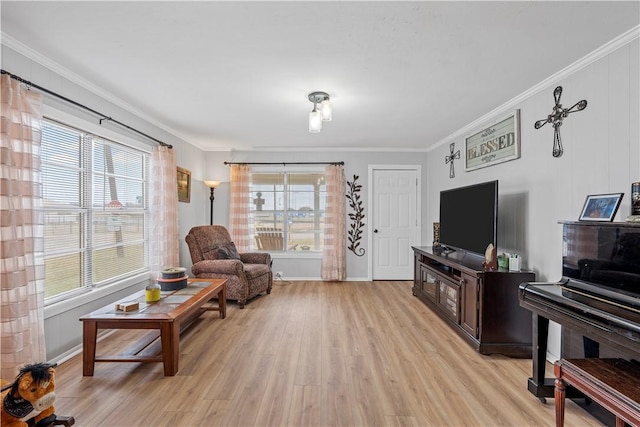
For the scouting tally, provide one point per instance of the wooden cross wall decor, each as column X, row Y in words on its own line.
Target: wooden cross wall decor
column 556, row 117
column 450, row 158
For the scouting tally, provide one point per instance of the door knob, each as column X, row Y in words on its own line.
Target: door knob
column 375, row 230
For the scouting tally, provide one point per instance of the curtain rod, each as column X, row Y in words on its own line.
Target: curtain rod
column 285, row 163
column 77, row 104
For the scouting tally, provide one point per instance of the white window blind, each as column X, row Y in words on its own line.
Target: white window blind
column 95, row 209
column 64, row 169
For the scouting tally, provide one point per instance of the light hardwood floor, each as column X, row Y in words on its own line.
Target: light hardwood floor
column 312, row 354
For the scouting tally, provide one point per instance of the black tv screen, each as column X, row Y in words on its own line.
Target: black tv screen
column 469, row 217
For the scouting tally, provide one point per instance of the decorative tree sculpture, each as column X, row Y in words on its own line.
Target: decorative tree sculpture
column 355, row 229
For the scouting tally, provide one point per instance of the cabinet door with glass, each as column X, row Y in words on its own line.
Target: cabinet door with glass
column 449, row 299
column 429, row 283
column 470, row 289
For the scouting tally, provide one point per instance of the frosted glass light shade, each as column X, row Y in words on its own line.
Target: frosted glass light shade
column 325, row 107
column 212, row 184
column 315, row 121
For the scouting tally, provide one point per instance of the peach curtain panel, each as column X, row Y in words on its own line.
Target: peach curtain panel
column 239, row 226
column 164, row 236
column 22, row 229
column 334, row 253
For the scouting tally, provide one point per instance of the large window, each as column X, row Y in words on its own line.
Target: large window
column 95, row 210
column 288, row 210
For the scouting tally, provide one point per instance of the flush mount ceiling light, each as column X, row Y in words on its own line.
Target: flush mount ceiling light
column 321, row 111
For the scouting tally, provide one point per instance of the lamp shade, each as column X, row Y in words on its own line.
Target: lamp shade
column 315, row 121
column 212, row 184
column 325, row 107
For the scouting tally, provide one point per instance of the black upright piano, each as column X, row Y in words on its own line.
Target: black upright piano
column 597, row 301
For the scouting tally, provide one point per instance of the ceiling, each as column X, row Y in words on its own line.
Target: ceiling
column 236, row 75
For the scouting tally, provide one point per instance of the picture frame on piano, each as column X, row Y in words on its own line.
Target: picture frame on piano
column 601, row 207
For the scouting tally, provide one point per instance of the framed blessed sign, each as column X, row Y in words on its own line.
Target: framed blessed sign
column 497, row 143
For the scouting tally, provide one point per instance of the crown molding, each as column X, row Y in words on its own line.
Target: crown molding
column 604, row 50
column 324, row 149
column 53, row 66
column 596, row 55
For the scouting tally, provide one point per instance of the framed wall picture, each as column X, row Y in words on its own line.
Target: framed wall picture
column 601, row 207
column 497, row 143
column 184, row 185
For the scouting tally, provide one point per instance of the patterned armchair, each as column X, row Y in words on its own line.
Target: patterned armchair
column 214, row 256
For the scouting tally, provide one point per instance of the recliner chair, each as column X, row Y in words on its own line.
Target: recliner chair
column 214, row 256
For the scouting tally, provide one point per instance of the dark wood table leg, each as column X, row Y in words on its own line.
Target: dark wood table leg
column 89, row 339
column 559, row 398
column 222, row 301
column 170, row 339
column 538, row 385
column 559, row 394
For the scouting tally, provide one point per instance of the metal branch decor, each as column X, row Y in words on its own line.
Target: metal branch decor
column 558, row 114
column 355, row 228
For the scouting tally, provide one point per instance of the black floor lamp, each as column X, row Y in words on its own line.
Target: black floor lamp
column 212, row 186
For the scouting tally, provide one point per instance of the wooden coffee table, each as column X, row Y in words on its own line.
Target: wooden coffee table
column 167, row 317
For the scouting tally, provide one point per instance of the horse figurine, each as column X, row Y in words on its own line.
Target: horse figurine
column 28, row 401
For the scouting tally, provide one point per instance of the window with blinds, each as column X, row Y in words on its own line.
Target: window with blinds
column 287, row 210
column 95, row 209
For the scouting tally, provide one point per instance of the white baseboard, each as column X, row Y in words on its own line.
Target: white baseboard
column 313, row 279
column 69, row 354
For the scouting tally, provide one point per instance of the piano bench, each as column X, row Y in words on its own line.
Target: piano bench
column 612, row 383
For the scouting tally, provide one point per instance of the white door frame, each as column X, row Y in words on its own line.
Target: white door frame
column 370, row 204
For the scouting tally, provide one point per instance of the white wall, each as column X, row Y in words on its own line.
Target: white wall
column 62, row 328
column 355, row 163
column 601, row 155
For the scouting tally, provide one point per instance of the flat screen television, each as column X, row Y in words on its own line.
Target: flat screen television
column 469, row 217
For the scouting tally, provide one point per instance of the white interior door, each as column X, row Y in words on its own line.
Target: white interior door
column 394, row 221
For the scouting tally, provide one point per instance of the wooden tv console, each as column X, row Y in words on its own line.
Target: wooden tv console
column 482, row 306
